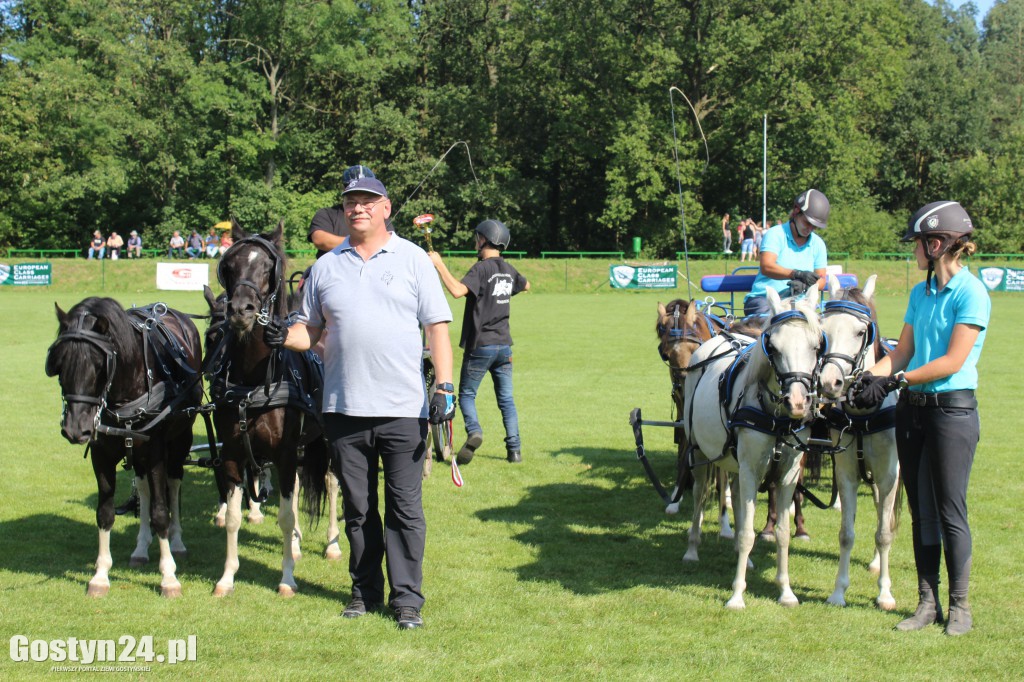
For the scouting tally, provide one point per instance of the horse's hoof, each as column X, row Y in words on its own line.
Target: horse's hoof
column 138, row 561
column 767, row 537
column 286, row 591
column 690, row 558
column 332, row 553
column 735, row 604
column 221, row 591
column 255, row 519
column 672, row 508
column 179, row 555
column 886, row 604
column 96, row 591
column 727, row 534
column 803, row 537
column 789, row 602
column 171, row 591
column 836, row 601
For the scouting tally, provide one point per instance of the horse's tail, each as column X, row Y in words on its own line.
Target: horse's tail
column 897, row 505
column 312, row 478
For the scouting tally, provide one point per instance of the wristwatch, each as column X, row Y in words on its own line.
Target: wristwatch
column 901, row 379
column 450, row 388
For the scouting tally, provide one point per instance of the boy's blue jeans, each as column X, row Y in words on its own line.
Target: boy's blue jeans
column 475, row 364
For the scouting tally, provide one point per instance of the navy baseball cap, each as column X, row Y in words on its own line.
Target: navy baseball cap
column 365, row 184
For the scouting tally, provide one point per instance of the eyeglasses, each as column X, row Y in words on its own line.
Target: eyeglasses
column 351, row 204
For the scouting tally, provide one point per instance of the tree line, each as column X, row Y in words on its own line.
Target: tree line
column 161, row 115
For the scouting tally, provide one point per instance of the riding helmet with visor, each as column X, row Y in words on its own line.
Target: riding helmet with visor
column 946, row 221
column 495, row 232
column 814, row 206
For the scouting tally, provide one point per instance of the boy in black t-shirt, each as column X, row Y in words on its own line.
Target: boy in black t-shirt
column 489, row 287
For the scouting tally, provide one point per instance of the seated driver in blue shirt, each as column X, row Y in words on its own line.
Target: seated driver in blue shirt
column 793, row 258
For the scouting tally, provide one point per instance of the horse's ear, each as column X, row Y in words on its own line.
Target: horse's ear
column 690, row 317
column 869, row 288
column 275, row 236
column 662, row 312
column 833, row 286
column 813, row 294
column 773, row 300
column 62, row 317
column 211, row 300
column 237, row 233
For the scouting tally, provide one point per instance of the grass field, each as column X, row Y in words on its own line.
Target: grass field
column 564, row 567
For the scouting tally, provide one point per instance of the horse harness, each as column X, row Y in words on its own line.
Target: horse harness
column 292, row 380
column 168, row 382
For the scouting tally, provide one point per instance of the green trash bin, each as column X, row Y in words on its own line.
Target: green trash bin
column 636, row 246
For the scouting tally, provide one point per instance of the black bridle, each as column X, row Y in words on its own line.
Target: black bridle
column 267, row 299
column 862, row 313
column 787, row 379
column 77, row 331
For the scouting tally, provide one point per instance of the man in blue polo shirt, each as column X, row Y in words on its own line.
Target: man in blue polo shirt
column 374, row 291
column 793, row 258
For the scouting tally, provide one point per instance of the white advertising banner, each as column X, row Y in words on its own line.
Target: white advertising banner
column 182, row 276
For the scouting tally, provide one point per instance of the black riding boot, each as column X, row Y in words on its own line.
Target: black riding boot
column 960, row 621
column 929, row 610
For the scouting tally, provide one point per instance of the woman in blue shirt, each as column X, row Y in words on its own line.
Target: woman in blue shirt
column 937, row 426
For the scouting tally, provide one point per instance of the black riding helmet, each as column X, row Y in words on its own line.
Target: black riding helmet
column 815, row 207
column 945, row 220
column 495, row 232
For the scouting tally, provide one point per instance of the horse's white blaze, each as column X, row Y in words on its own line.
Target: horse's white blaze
column 879, row 458
column 140, row 555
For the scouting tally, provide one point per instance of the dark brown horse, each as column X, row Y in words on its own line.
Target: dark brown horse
column 267, row 403
column 131, row 387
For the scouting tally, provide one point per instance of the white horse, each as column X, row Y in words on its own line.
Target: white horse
column 849, row 323
column 772, row 387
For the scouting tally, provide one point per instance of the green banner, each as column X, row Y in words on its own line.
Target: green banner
column 642, row 276
column 1002, row 279
column 25, row 274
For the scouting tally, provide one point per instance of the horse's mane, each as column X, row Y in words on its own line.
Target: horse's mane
column 118, row 328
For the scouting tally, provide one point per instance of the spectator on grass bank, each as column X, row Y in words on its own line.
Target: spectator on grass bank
column 97, row 246
column 195, row 246
column 937, row 425
column 212, row 243
column 177, row 244
column 488, row 287
column 747, row 228
column 726, row 235
column 793, row 258
column 134, row 245
column 225, row 241
column 114, row 245
column 374, row 291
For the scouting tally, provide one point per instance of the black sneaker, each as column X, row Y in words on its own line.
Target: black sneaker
column 514, row 457
column 408, row 617
column 357, row 608
column 474, row 441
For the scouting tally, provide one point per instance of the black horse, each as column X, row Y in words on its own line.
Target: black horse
column 131, row 387
column 266, row 403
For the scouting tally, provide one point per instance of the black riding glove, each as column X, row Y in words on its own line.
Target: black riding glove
column 797, row 288
column 275, row 333
column 809, row 279
column 442, row 407
column 869, row 390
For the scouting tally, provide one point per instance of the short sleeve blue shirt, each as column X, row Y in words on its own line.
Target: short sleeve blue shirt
column 813, row 255
column 963, row 300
